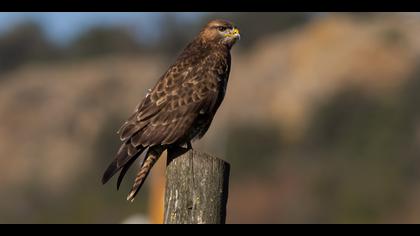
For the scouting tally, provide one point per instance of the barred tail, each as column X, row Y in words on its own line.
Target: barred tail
column 126, row 155
column 152, row 156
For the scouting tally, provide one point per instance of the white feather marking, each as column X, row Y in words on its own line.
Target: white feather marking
column 161, row 100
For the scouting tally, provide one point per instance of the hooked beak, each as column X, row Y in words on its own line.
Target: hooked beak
column 234, row 33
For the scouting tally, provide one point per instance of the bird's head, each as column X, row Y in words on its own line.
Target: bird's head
column 220, row 32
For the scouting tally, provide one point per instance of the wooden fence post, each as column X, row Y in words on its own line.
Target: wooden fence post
column 196, row 188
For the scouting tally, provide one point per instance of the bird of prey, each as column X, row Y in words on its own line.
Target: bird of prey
column 181, row 106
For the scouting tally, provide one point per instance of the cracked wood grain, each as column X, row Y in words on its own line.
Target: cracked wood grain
column 196, row 188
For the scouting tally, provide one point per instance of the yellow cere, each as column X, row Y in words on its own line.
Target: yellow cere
column 234, row 32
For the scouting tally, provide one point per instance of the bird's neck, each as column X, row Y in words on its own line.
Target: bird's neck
column 199, row 49
column 209, row 45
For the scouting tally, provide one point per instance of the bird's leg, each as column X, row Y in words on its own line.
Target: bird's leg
column 189, row 146
column 178, row 150
column 186, row 145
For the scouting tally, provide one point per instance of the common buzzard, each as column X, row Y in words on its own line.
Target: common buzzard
column 182, row 104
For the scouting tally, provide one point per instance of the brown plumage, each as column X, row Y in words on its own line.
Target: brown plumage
column 182, row 104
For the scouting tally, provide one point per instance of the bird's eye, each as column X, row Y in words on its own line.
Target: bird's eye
column 221, row 28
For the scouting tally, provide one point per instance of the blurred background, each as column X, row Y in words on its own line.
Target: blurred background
column 321, row 121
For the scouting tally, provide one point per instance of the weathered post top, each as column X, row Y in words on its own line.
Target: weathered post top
column 196, row 189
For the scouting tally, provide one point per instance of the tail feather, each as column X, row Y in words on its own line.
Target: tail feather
column 126, row 167
column 121, row 159
column 151, row 157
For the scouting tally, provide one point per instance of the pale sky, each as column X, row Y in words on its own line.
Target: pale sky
column 63, row 26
